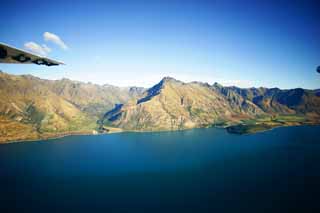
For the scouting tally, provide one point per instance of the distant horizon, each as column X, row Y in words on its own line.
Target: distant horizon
column 151, row 85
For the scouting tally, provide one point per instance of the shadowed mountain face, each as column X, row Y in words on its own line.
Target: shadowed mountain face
column 33, row 108
column 294, row 101
column 173, row 105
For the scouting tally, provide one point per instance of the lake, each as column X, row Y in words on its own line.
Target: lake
column 200, row 170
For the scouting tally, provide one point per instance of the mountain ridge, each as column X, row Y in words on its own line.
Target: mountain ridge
column 41, row 108
column 174, row 105
column 32, row 108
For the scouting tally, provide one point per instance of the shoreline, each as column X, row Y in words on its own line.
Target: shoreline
column 142, row 131
column 56, row 137
column 272, row 128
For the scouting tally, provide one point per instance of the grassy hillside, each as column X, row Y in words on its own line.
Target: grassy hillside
column 32, row 108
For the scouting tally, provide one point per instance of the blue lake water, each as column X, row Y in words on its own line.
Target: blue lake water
column 200, row 170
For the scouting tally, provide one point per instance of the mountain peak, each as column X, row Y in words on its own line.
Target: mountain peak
column 216, row 84
column 168, row 78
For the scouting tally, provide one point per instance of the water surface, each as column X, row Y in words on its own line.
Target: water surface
column 200, row 170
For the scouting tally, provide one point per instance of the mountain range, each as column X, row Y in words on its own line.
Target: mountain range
column 174, row 105
column 32, row 108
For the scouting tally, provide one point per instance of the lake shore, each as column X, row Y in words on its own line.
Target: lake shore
column 243, row 129
column 56, row 136
column 112, row 130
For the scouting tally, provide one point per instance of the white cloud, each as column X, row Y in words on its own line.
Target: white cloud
column 55, row 39
column 46, row 48
column 36, row 48
column 234, row 82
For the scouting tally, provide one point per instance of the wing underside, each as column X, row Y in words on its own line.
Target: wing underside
column 12, row 55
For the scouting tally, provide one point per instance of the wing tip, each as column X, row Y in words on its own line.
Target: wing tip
column 40, row 57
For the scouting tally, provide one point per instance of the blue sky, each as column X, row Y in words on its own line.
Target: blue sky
column 240, row 42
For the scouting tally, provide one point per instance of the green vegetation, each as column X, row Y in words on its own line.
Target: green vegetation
column 35, row 115
column 289, row 118
column 247, row 129
column 82, row 123
column 220, row 123
column 266, row 123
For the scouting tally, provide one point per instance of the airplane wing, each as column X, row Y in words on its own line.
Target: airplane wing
column 14, row 55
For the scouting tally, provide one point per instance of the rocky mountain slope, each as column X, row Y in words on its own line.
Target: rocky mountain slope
column 173, row 105
column 33, row 108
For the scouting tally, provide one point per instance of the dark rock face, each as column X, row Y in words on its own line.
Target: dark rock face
column 291, row 98
column 153, row 91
